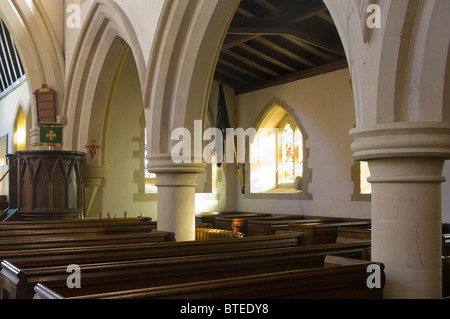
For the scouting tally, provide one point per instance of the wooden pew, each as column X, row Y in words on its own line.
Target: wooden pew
column 446, row 245
column 262, row 227
column 325, row 233
column 351, row 235
column 446, row 276
column 36, row 225
column 239, row 223
column 80, row 230
column 337, row 278
column 120, row 252
column 115, row 276
column 210, row 217
column 27, row 246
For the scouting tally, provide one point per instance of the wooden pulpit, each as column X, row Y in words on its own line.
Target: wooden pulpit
column 50, row 184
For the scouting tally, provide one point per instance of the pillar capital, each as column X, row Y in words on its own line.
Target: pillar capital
column 94, row 175
column 163, row 163
column 401, row 139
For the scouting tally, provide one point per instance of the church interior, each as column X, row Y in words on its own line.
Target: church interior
column 339, row 162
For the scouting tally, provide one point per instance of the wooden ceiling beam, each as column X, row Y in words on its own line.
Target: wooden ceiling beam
column 306, row 14
column 240, row 70
column 309, row 48
column 267, row 58
column 251, row 26
column 267, row 5
column 285, row 52
column 245, row 13
column 235, row 78
column 251, row 63
column 335, row 66
column 235, row 40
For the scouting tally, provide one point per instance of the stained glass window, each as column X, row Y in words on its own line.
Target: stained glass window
column 276, row 156
column 286, row 157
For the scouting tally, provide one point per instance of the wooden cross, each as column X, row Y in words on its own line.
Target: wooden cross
column 93, row 148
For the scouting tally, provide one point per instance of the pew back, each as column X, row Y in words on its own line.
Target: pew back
column 146, row 250
column 325, row 233
column 350, row 234
column 137, row 274
column 338, row 281
column 262, row 227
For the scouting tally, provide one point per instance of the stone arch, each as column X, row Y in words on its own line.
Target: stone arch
column 38, row 46
column 105, row 23
column 181, row 66
column 409, row 50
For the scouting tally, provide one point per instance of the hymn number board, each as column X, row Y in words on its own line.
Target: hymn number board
column 45, row 105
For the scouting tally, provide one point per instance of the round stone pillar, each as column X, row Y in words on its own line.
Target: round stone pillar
column 176, row 195
column 406, row 225
column 406, row 163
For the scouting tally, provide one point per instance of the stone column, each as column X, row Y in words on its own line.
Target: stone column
column 406, row 163
column 176, row 195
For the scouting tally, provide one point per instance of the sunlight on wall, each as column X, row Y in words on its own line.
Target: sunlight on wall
column 263, row 161
column 366, row 187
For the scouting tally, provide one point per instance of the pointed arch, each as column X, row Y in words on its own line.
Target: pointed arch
column 181, row 66
column 276, row 114
column 37, row 44
column 105, row 23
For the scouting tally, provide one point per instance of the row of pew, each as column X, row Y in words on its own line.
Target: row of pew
column 317, row 231
column 130, row 258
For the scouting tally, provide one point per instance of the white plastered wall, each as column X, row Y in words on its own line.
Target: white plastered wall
column 324, row 105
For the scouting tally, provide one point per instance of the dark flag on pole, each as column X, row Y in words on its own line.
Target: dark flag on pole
column 223, row 122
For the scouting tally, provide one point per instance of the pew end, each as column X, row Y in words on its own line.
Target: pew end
column 42, row 292
column 12, row 281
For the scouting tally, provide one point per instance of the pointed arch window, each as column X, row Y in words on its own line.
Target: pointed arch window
column 277, row 156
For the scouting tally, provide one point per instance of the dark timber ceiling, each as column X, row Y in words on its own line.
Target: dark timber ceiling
column 272, row 42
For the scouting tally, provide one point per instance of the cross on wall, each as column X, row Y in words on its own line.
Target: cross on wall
column 93, row 149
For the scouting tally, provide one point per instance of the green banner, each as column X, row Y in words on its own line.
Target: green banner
column 51, row 135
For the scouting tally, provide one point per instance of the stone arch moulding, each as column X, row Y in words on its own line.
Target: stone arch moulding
column 181, row 67
column 37, row 44
column 105, row 22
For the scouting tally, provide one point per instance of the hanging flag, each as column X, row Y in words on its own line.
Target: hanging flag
column 223, row 122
